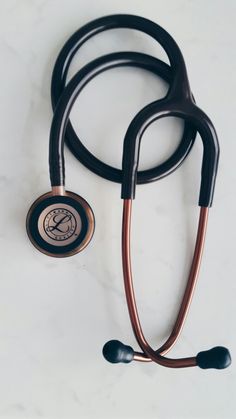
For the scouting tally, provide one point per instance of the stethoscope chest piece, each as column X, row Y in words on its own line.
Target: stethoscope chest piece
column 60, row 225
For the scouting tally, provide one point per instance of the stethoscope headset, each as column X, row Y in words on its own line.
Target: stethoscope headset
column 61, row 223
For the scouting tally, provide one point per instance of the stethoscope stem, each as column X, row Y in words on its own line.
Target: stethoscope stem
column 148, row 353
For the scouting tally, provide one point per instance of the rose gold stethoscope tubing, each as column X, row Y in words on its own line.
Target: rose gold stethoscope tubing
column 148, row 353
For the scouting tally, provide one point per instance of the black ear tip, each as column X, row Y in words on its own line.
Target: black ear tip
column 218, row 358
column 115, row 351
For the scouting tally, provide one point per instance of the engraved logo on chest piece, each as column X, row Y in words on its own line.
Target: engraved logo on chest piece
column 60, row 224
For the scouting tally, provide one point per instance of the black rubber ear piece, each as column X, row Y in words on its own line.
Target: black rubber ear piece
column 115, row 351
column 218, row 358
column 60, row 225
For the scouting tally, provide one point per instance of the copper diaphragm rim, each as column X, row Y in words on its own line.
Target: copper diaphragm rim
column 89, row 215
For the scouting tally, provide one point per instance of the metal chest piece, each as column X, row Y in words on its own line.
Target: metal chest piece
column 60, row 225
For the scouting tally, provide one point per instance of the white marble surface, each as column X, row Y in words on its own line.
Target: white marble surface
column 55, row 315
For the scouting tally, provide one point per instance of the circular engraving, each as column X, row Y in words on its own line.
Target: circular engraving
column 59, row 224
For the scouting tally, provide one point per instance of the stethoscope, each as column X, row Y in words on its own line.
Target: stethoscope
column 61, row 223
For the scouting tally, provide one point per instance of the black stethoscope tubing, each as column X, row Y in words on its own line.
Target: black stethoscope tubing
column 66, row 96
column 178, row 102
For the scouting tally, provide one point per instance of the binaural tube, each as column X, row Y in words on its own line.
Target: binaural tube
column 148, row 353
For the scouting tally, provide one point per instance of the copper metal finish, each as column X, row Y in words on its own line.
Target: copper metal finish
column 58, row 190
column 148, row 353
column 89, row 214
